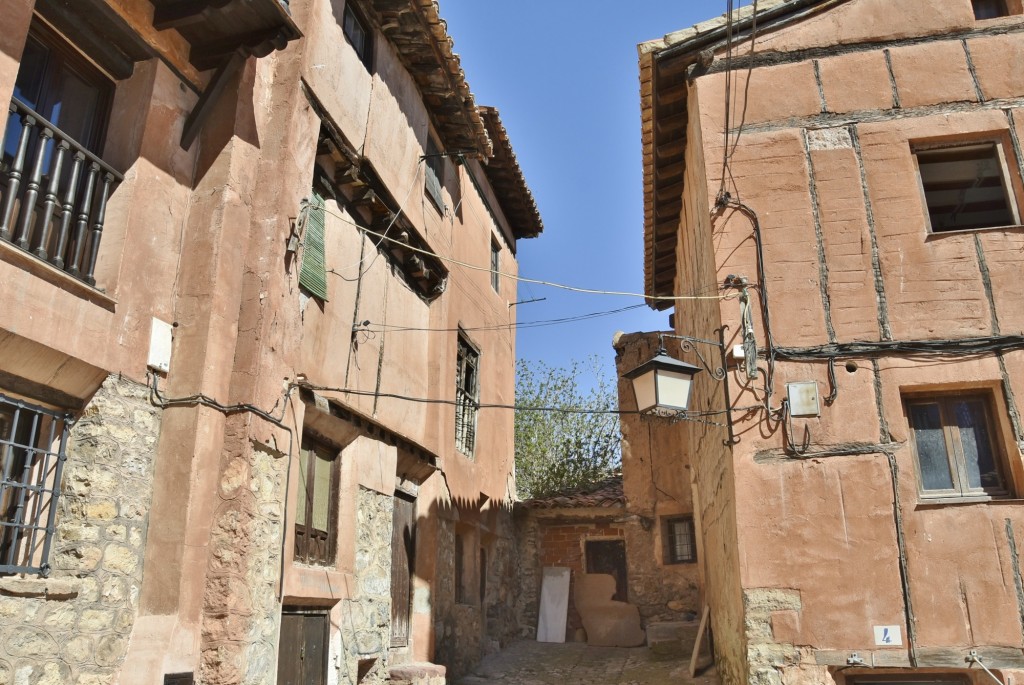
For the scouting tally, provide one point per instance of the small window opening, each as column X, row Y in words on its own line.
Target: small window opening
column 989, row 9
column 965, row 187
column 32, row 455
column 956, row 448
column 495, row 266
column 680, row 540
column 358, row 35
column 434, row 170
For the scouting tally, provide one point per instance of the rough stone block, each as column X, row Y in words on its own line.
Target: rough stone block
column 95, row 620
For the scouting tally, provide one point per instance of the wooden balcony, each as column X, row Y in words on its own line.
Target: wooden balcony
column 217, row 28
column 55, row 195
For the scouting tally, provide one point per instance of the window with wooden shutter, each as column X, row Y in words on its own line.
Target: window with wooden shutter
column 313, row 274
column 467, row 397
column 434, row 163
column 316, row 507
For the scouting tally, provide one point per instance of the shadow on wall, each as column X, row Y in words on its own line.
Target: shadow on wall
column 467, row 551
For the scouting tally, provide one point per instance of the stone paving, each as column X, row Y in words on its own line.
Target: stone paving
column 538, row 663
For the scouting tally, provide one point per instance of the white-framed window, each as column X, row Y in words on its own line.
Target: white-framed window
column 956, row 446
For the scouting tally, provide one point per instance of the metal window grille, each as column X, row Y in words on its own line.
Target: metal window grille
column 466, row 398
column 33, row 441
column 681, row 546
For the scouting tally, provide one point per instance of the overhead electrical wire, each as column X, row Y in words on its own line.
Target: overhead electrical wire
column 523, row 279
column 390, row 328
column 700, row 416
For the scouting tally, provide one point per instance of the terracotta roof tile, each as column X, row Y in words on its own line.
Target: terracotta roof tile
column 607, row 493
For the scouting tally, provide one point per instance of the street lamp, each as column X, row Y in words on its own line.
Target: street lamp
column 662, row 383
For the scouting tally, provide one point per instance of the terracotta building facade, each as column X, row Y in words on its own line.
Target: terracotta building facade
column 833, row 193
column 258, row 258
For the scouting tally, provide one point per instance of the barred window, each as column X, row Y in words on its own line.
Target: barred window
column 467, row 397
column 33, row 441
column 680, row 541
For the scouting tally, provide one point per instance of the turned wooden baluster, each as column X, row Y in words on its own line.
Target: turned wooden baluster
column 83, row 219
column 14, row 175
column 67, row 208
column 28, row 202
column 97, row 227
column 50, row 199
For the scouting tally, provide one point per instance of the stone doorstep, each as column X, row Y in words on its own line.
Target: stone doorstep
column 672, row 636
column 417, row 674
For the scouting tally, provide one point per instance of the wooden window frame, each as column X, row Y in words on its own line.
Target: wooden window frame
column 63, row 56
column 1010, row 183
column 495, row 266
column 352, row 13
column 670, row 558
column 304, row 532
column 433, row 172
column 961, row 490
column 467, row 395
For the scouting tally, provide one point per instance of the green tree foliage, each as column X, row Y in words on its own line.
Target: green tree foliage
column 573, row 444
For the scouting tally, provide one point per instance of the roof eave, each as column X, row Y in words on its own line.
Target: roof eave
column 508, row 182
column 664, row 64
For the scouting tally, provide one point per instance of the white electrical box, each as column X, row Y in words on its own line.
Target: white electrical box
column 160, row 346
column 803, row 399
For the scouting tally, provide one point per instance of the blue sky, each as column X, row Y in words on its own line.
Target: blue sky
column 563, row 74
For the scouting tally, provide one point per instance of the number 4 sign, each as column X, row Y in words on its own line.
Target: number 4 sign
column 888, row 636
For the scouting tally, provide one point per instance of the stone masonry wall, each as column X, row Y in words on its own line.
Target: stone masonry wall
column 503, row 569
column 527, row 600
column 245, row 563
column 73, row 627
column 366, row 621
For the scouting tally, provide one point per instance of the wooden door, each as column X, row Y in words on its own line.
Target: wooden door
column 403, row 552
column 302, row 654
column 609, row 556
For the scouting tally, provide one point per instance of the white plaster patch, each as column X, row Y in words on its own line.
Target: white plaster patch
column 829, row 139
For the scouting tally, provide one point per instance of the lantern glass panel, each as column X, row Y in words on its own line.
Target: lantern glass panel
column 673, row 389
column 646, row 395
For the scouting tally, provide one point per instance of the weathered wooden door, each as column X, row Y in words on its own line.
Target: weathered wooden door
column 403, row 553
column 302, row 653
column 609, row 556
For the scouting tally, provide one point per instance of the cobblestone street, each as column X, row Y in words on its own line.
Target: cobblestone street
column 537, row 663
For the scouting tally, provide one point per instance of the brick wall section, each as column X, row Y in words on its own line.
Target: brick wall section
column 562, row 546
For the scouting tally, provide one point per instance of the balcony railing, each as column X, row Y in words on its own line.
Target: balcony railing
column 55, row 201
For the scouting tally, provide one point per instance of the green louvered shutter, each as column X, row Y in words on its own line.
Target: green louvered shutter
column 313, row 275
